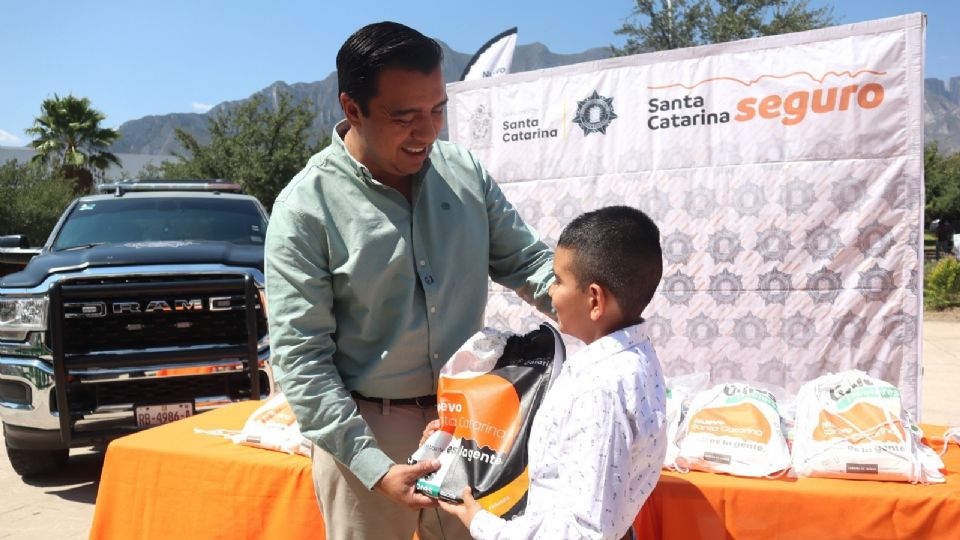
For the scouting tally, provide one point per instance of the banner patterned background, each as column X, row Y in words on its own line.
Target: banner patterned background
column 791, row 225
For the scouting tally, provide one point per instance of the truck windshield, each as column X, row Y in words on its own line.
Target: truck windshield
column 149, row 219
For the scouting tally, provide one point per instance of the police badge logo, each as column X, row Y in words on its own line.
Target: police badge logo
column 656, row 203
column 797, row 197
column 775, row 287
column 902, row 193
column 876, row 283
column 772, row 371
column 659, row 328
column 875, row 239
column 849, row 330
column 847, row 193
column 677, row 247
column 725, row 370
column 750, row 330
column 899, row 328
column 678, row 288
column 748, row 199
column 724, row 246
column 824, row 285
column 702, row 330
column 594, row 114
column 700, row 202
column 798, row 331
column 726, row 287
column 913, row 280
column 823, row 242
column 773, row 244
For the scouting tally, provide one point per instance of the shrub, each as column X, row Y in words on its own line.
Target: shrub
column 31, row 200
column 941, row 288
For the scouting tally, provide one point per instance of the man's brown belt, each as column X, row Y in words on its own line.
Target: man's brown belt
column 423, row 402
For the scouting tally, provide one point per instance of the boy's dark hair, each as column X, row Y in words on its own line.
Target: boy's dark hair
column 618, row 248
column 376, row 47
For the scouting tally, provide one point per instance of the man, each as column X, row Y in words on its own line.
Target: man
column 377, row 258
column 944, row 238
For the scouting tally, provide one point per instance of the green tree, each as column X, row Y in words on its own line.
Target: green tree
column 31, row 200
column 941, row 285
column 259, row 146
column 70, row 140
column 664, row 25
column 942, row 184
column 656, row 25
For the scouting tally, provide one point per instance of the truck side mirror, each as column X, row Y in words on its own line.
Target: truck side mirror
column 14, row 241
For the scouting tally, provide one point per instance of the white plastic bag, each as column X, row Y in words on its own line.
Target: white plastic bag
column 733, row 428
column 851, row 425
column 680, row 390
column 951, row 433
column 272, row 426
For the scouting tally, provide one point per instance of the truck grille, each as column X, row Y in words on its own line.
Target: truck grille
column 146, row 323
column 138, row 315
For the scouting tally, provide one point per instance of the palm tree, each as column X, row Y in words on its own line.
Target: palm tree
column 69, row 138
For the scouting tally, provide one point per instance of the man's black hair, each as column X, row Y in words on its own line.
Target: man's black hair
column 376, row 47
column 618, row 248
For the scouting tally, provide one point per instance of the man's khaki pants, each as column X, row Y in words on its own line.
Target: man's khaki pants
column 351, row 511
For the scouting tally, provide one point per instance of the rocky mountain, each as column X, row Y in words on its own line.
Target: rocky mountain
column 156, row 134
column 941, row 114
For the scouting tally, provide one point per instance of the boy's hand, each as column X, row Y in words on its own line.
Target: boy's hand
column 433, row 426
column 465, row 511
column 400, row 480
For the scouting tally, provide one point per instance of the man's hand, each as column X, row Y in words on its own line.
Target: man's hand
column 400, row 480
column 465, row 511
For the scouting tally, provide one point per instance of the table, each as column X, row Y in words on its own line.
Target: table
column 169, row 482
column 708, row 506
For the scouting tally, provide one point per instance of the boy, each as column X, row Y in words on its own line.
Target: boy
column 599, row 438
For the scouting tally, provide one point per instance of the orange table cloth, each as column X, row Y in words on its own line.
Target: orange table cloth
column 708, row 506
column 169, row 482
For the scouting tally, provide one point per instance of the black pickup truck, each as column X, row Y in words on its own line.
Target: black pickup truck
column 145, row 305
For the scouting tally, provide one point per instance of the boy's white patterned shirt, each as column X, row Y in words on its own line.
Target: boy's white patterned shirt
column 596, row 445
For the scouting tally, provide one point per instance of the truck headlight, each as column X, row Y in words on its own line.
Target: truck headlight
column 21, row 315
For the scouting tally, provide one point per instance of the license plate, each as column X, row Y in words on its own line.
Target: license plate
column 155, row 415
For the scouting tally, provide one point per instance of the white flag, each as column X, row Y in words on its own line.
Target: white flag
column 493, row 59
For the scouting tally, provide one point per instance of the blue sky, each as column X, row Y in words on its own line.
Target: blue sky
column 135, row 58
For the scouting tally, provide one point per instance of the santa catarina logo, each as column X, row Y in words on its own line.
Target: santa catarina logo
column 594, row 114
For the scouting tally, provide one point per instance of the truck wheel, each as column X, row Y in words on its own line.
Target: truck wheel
column 34, row 462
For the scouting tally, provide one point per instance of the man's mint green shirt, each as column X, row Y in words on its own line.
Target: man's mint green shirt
column 369, row 293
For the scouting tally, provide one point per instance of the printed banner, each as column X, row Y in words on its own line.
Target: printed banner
column 785, row 173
